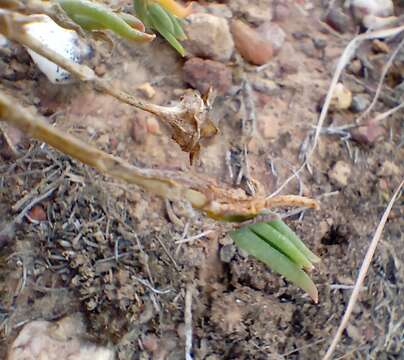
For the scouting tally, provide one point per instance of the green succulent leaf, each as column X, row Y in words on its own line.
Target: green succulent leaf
column 94, row 16
column 156, row 17
column 291, row 235
column 178, row 31
column 168, row 36
column 161, row 17
column 282, row 243
column 276, row 260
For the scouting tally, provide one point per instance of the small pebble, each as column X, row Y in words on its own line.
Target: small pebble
column 147, row 90
column 340, row 173
column 342, row 98
column 368, row 134
column 373, row 14
column 255, row 15
column 138, row 130
column 274, row 34
column 380, row 46
column 266, row 86
column 226, row 240
column 37, row 213
column 388, row 168
column 288, row 60
column 355, row 67
column 227, row 252
column 100, row 69
column 209, row 37
column 281, row 12
column 252, row 45
column 219, row 10
column 380, row 8
column 320, row 44
column 359, row 103
column 205, row 74
column 338, row 20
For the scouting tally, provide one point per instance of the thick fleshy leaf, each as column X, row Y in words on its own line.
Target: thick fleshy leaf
column 278, row 262
column 280, row 242
column 291, row 235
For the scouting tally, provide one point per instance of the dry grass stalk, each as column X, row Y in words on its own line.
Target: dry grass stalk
column 386, row 68
column 362, row 274
column 188, row 121
column 216, row 201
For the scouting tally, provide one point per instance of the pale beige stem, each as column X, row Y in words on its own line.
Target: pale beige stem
column 291, row 200
column 204, row 194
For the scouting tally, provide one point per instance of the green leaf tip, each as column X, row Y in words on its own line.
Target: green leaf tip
column 291, row 235
column 160, row 19
column 276, row 245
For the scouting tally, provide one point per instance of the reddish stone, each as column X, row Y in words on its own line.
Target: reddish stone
column 203, row 74
column 37, row 213
column 368, row 134
column 251, row 45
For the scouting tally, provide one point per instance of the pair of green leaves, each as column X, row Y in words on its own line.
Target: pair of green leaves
column 276, row 245
column 156, row 17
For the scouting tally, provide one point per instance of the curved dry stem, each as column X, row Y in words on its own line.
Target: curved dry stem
column 188, row 121
column 205, row 194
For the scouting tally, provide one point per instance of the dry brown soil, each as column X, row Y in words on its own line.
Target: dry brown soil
column 102, row 240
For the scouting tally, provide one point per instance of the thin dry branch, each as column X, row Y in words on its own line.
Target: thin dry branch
column 188, row 121
column 188, row 322
column 380, row 84
column 362, row 274
column 216, row 201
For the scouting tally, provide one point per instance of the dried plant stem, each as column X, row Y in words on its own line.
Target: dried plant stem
column 204, row 194
column 9, row 143
column 362, row 274
column 188, row 121
column 188, row 322
column 388, row 113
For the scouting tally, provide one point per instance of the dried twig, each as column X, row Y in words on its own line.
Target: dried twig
column 188, row 322
column 388, row 113
column 193, row 238
column 362, row 274
column 216, row 201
